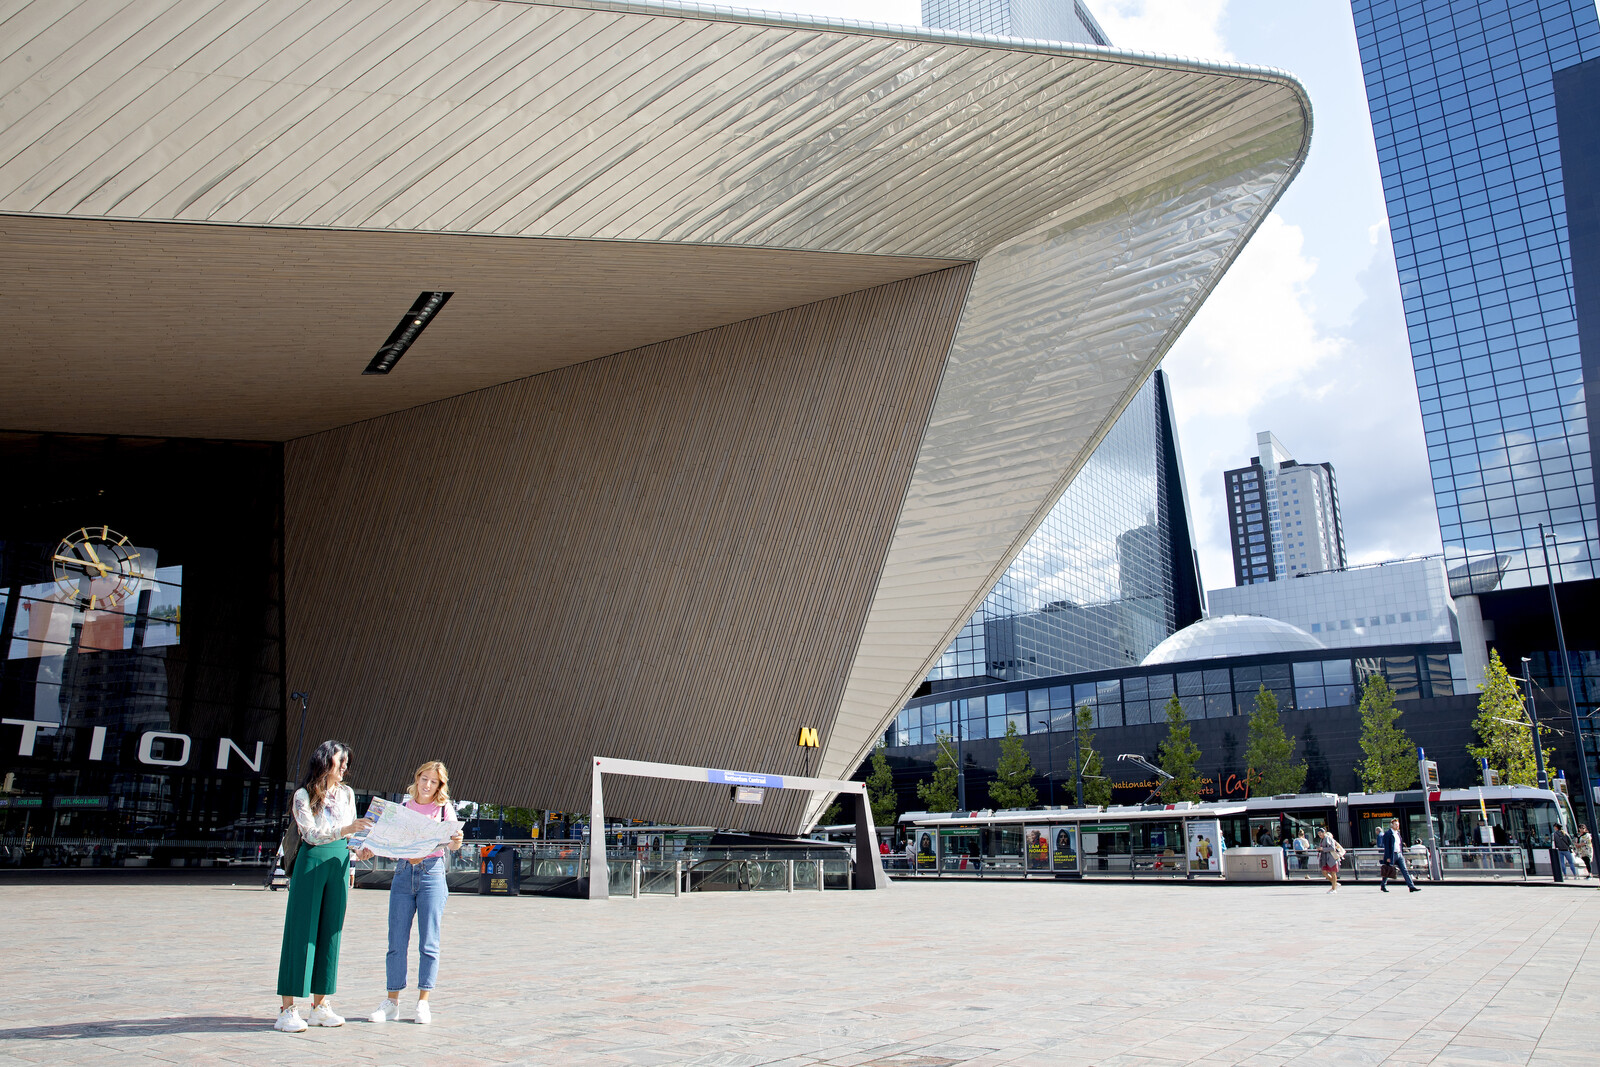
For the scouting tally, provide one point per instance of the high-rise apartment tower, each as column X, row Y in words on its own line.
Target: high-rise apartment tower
column 1283, row 516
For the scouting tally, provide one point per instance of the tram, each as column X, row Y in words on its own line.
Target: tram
column 1166, row 838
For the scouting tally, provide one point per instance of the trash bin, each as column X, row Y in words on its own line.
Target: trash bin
column 499, row 873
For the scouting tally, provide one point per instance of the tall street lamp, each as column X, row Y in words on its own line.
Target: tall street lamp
column 1572, row 692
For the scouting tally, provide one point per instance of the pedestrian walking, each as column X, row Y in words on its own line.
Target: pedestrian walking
column 1584, row 847
column 319, row 885
column 417, row 894
column 1332, row 854
column 1301, row 847
column 1563, row 846
column 1394, row 858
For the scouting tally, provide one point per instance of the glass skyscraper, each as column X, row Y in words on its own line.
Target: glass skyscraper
column 1047, row 20
column 1489, row 145
column 1109, row 574
column 1464, row 115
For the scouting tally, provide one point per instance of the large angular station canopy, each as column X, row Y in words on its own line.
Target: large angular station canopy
column 770, row 340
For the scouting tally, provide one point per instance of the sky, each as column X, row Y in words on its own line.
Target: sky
column 1305, row 334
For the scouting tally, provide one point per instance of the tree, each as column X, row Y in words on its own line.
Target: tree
column 1505, row 734
column 1013, row 788
column 1179, row 756
column 1096, row 785
column 1391, row 757
column 880, row 788
column 939, row 792
column 1269, row 753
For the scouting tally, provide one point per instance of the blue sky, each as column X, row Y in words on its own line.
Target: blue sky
column 1305, row 336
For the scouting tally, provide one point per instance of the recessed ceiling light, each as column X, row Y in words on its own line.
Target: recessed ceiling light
column 411, row 326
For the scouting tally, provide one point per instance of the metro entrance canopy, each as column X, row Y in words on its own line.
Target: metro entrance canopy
column 769, row 343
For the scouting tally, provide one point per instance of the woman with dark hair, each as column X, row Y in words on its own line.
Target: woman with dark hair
column 325, row 814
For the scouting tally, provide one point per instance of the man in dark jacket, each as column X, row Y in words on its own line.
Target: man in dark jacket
column 1394, row 853
column 1563, row 845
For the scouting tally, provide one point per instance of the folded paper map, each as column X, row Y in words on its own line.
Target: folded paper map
column 402, row 834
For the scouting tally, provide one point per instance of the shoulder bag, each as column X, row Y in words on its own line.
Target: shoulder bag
column 290, row 846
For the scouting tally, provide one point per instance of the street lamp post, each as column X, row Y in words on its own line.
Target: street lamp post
column 1572, row 693
column 1543, row 780
column 1077, row 758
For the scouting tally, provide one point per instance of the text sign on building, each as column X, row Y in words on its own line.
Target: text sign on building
column 764, row 781
column 808, row 738
column 747, row 794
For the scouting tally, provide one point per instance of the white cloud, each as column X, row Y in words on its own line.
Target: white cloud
column 1178, row 27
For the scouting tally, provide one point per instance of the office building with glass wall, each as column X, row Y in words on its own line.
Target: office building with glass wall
column 1109, row 574
column 1215, row 668
column 1283, row 516
column 1044, row 20
column 1478, row 157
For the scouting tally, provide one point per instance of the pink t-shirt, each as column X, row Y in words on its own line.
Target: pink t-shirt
column 432, row 811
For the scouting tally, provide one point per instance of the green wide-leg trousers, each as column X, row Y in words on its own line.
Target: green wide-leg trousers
column 318, row 890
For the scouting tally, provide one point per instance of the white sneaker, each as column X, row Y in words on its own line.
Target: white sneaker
column 322, row 1015
column 389, row 1013
column 424, row 1013
column 289, row 1021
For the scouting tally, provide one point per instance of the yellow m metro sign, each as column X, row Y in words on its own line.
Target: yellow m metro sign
column 808, row 738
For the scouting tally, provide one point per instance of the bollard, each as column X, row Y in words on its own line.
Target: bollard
column 790, row 872
column 821, row 885
column 677, row 878
column 635, row 874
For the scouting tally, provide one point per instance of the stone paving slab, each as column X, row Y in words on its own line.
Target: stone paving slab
column 923, row 975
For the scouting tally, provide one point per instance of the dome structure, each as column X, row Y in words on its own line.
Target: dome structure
column 1231, row 635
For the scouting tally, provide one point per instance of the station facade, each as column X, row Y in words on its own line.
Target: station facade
column 340, row 365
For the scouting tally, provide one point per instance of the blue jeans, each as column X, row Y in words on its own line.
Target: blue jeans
column 1397, row 861
column 418, row 891
column 1566, row 862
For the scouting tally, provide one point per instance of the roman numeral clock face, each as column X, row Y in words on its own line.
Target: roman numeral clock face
column 97, row 567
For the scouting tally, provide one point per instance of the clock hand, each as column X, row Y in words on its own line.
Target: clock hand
column 89, row 548
column 81, row 563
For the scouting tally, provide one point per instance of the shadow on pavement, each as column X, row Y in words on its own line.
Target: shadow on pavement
column 178, row 1024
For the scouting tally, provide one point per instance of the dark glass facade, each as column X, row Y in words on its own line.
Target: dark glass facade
column 142, row 686
column 1464, row 116
column 1109, row 575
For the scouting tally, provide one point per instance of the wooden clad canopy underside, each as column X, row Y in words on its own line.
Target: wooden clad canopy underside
column 664, row 554
column 250, row 332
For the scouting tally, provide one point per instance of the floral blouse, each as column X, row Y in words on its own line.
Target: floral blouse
column 321, row 827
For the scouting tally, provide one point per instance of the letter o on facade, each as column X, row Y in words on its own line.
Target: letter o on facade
column 147, row 749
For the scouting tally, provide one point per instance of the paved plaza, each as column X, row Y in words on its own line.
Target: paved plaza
column 923, row 975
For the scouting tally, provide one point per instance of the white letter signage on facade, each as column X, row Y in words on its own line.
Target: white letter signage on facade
column 147, row 744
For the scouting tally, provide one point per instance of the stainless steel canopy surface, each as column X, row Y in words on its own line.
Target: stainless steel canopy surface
column 1101, row 193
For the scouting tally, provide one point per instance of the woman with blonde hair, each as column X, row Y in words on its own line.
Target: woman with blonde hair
column 418, row 893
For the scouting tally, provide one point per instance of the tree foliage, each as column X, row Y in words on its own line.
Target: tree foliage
column 1179, row 756
column 939, row 791
column 1013, row 788
column 1391, row 756
column 1505, row 734
column 1269, row 753
column 1096, row 785
column 880, row 788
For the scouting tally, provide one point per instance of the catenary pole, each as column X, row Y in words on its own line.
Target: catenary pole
column 1572, row 694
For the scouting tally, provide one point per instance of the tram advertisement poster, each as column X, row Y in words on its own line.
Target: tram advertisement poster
column 927, row 858
column 1037, row 840
column 1205, row 837
column 1064, row 849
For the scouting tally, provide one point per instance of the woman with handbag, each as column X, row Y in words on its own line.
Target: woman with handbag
column 418, row 893
column 319, row 872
